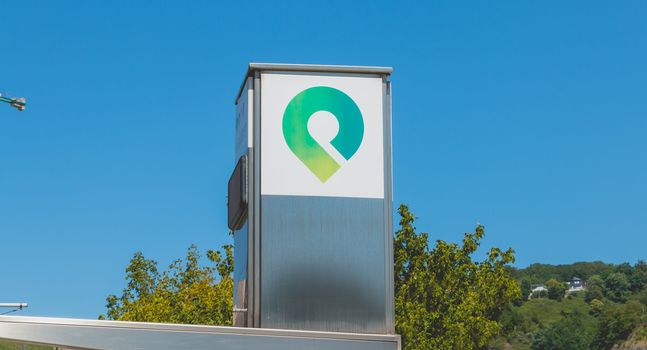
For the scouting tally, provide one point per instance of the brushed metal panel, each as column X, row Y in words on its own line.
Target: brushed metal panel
column 322, row 264
column 240, row 275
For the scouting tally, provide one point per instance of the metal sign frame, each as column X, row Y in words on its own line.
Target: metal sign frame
column 252, row 83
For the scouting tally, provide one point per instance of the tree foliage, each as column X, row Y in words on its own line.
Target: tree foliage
column 567, row 333
column 595, row 289
column 556, row 289
column 616, row 323
column 596, row 307
column 445, row 300
column 185, row 293
column 540, row 273
column 526, row 290
column 642, row 297
column 638, row 277
column 617, row 286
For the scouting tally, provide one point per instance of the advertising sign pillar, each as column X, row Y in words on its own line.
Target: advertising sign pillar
column 310, row 199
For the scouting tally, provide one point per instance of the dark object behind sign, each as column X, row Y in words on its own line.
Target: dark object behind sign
column 237, row 195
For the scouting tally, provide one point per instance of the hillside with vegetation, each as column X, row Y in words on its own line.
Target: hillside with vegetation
column 609, row 312
column 6, row 345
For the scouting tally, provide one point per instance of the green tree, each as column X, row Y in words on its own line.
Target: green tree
column 596, row 306
column 526, row 288
column 594, row 289
column 616, row 323
column 513, row 321
column 638, row 277
column 568, row 333
column 617, row 286
column 556, row 289
column 443, row 299
column 642, row 296
column 624, row 268
column 540, row 273
column 185, row 293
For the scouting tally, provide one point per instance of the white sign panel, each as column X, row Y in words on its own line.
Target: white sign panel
column 322, row 135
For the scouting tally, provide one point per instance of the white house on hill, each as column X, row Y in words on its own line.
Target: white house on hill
column 575, row 285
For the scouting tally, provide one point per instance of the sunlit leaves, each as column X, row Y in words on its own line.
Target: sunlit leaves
column 445, row 300
column 185, row 293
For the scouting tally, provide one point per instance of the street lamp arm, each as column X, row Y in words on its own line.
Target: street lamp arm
column 19, row 103
column 14, row 305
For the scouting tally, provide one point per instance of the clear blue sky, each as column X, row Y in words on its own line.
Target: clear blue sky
column 529, row 117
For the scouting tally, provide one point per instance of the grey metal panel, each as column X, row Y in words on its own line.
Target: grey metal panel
column 94, row 334
column 240, row 275
column 255, row 67
column 256, row 249
column 388, row 207
column 323, row 264
column 242, row 127
column 249, row 248
column 241, row 236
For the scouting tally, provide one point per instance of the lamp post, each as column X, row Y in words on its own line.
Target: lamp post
column 14, row 306
column 16, row 102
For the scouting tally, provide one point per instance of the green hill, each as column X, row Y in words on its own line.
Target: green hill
column 522, row 322
column 611, row 313
column 5, row 345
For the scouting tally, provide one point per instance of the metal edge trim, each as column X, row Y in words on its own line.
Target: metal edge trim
column 257, row 66
column 321, row 68
column 251, row 155
column 256, row 315
column 388, row 206
column 169, row 327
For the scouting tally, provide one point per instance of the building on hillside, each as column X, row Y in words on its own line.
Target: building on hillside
column 538, row 291
column 575, row 285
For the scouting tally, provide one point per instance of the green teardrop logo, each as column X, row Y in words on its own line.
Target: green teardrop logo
column 303, row 145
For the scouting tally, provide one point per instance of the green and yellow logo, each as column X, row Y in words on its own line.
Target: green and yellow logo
column 304, row 146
